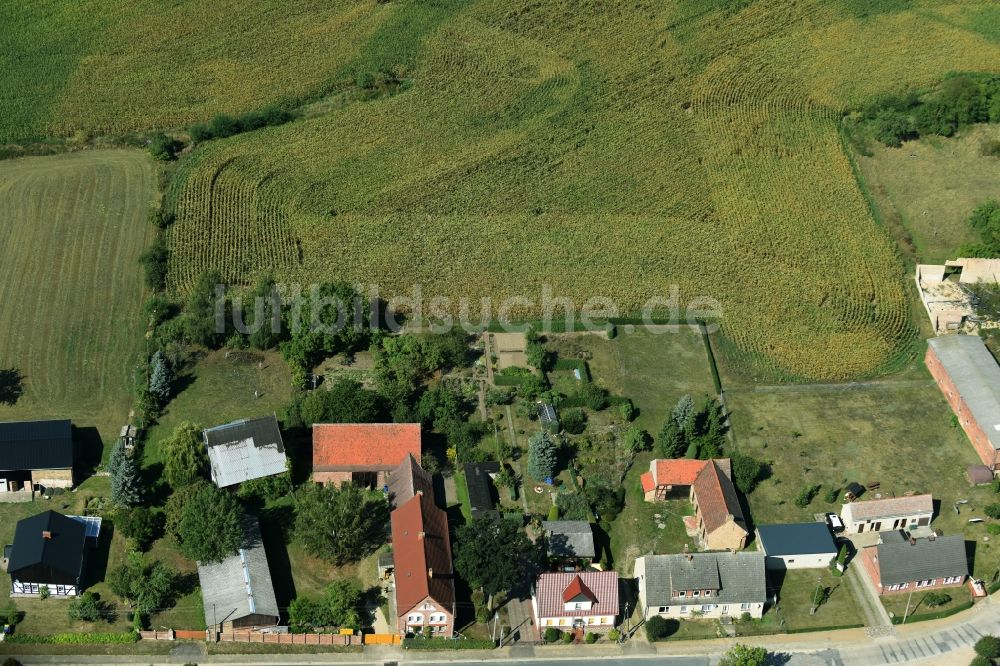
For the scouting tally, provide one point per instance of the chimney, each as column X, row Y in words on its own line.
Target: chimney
column 421, row 535
column 913, row 541
column 47, row 535
column 420, row 492
column 430, row 572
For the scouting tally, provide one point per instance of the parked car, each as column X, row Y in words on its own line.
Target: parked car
column 835, row 523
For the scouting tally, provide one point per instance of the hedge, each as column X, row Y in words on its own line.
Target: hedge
column 78, row 639
column 509, row 380
column 934, row 616
column 447, row 644
column 834, row 627
column 573, row 364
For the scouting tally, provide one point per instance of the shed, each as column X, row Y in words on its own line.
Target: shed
column 797, row 545
column 36, row 453
column 979, row 474
column 483, row 496
column 245, row 450
column 569, row 539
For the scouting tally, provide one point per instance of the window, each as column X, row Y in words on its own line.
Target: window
column 548, row 623
column 562, row 622
column 952, row 579
column 415, row 618
column 590, row 620
column 684, row 609
column 746, row 606
column 663, row 609
column 697, row 593
column 893, row 588
column 925, row 583
column 791, row 561
column 708, row 593
column 682, row 594
column 577, row 606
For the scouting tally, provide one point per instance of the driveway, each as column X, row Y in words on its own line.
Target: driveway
column 876, row 617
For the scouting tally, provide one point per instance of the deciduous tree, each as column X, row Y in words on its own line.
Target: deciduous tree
column 494, row 553
column 184, row 456
column 340, row 524
column 211, row 525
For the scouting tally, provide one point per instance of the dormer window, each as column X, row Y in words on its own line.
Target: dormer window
column 682, row 594
column 697, row 593
column 708, row 593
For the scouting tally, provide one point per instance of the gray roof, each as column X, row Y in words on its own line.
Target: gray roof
column 900, row 561
column 26, row 445
column 62, row 550
column 245, row 450
column 239, row 585
column 406, row 480
column 569, row 538
column 796, row 539
column 976, row 376
column 738, row 577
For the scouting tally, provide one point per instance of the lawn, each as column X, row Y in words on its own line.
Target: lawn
column 896, row 604
column 796, row 590
column 71, row 290
column 932, row 185
column 217, row 389
column 897, row 433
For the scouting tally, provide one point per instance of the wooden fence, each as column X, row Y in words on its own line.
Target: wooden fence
column 381, row 639
column 288, row 639
column 167, row 635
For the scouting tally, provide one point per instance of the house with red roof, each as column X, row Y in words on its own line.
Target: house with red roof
column 362, row 453
column 587, row 600
column 424, row 580
column 718, row 515
column 718, row 521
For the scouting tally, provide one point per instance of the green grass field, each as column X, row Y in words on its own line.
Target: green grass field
column 70, row 288
column 933, row 185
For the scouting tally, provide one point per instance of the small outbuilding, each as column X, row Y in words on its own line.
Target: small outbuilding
column 796, row 546
column 36, row 453
column 245, row 450
column 569, row 540
column 979, row 475
column 483, row 496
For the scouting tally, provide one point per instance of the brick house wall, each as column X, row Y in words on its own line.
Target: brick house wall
column 869, row 561
column 336, row 478
column 972, row 429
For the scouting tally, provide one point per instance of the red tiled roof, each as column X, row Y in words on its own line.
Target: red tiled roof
column 363, row 447
column 551, row 589
column 647, row 482
column 422, row 554
column 676, row 472
column 716, row 497
column 576, row 589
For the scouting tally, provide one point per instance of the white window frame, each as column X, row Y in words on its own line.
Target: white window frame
column 746, row 607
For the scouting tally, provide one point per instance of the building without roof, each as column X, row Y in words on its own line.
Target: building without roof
column 884, row 515
column 245, row 450
column 35, row 453
column 567, row 540
column 796, row 545
column 483, row 496
column 237, row 593
column 695, row 585
column 947, row 303
column 900, row 563
column 969, row 378
column 585, row 600
column 48, row 551
column 424, row 579
column 362, row 453
column 672, row 478
column 719, row 517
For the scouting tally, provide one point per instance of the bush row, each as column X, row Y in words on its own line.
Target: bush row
column 78, row 639
column 934, row 616
column 223, row 125
column 447, row 644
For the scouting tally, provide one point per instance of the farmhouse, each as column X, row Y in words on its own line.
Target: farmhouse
column 887, row 514
column 237, row 592
column 245, row 450
column 796, row 546
column 483, row 496
column 948, row 305
column 900, row 563
column 693, row 585
column 672, row 478
column 969, row 378
column 407, row 480
column 424, row 581
column 362, row 453
column 586, row 600
column 719, row 517
column 36, row 453
column 48, row 551
column 569, row 541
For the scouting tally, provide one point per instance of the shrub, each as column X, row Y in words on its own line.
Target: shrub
column 552, row 635
column 992, row 510
column 988, row 647
column 614, row 635
column 43, row 592
column 990, row 148
column 87, row 607
column 893, row 127
column 806, row 496
column 75, row 639
column 554, row 512
column 567, row 638
column 743, row 655
column 574, row 421
column 980, row 660
column 993, row 528
column 934, row 599
column 831, row 495
column 656, row 628
column 747, row 472
column 591, row 638
column 627, row 410
column 163, row 147
column 154, row 263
